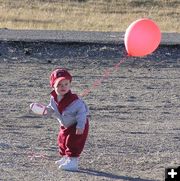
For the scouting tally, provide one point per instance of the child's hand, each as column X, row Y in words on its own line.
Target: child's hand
column 79, row 131
column 49, row 113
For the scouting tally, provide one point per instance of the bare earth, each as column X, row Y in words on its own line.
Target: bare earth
column 135, row 124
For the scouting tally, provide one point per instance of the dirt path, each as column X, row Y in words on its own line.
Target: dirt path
column 135, row 123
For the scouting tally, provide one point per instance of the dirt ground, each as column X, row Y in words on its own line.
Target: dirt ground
column 135, row 113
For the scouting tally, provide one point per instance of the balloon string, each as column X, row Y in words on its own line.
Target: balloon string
column 32, row 155
column 105, row 75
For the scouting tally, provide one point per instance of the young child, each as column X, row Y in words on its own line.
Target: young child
column 72, row 114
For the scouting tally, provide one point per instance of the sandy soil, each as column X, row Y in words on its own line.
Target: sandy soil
column 135, row 125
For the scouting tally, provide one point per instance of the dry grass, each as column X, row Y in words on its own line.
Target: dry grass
column 87, row 15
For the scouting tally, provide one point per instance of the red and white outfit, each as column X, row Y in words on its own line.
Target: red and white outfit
column 69, row 143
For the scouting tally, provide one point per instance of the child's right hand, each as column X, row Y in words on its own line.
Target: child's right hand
column 41, row 109
column 49, row 112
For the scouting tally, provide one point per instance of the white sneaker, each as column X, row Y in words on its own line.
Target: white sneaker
column 71, row 164
column 61, row 161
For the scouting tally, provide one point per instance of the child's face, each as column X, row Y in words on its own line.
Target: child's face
column 63, row 87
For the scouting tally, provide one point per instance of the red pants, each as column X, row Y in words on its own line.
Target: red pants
column 71, row 144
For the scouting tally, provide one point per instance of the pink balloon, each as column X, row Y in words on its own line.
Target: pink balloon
column 142, row 37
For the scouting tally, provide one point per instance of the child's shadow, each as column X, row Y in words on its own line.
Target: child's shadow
column 110, row 175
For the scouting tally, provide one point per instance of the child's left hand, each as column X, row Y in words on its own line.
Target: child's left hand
column 79, row 131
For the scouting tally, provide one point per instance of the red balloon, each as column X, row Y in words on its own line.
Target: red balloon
column 142, row 37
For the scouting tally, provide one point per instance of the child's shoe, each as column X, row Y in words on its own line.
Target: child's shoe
column 71, row 164
column 61, row 161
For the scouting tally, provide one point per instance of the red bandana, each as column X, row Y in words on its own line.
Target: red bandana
column 65, row 101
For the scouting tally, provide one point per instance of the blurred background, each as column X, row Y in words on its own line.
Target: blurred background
column 88, row 15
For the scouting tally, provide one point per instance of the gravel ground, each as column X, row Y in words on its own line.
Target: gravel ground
column 135, row 124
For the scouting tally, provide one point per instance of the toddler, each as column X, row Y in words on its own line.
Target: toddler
column 73, row 116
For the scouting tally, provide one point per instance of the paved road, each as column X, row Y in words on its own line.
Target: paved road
column 76, row 36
